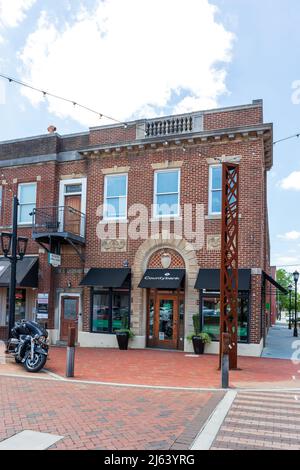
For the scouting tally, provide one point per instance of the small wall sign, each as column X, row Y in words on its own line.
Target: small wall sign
column 42, row 306
column 54, row 260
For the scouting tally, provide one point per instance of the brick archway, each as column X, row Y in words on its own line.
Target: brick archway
column 155, row 260
column 146, row 253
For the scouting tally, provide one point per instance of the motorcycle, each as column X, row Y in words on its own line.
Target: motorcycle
column 29, row 345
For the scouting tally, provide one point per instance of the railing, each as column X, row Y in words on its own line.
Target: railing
column 171, row 125
column 55, row 219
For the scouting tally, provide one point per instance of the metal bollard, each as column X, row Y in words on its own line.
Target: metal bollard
column 225, row 360
column 71, row 352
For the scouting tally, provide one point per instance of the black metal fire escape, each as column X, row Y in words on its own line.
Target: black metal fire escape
column 54, row 226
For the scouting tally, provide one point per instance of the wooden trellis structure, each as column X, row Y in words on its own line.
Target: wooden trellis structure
column 229, row 260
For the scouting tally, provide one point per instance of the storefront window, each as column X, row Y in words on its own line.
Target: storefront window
column 110, row 311
column 100, row 323
column 211, row 317
column 20, row 309
column 151, row 317
column 120, row 310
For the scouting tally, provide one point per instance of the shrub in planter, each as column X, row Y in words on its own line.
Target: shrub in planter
column 199, row 341
column 123, row 337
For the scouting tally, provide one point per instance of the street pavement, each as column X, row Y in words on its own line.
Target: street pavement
column 155, row 400
column 261, row 421
column 104, row 417
column 172, row 369
column 280, row 342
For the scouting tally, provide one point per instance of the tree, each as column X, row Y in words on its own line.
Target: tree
column 285, row 279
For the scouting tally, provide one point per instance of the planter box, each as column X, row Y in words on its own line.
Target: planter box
column 198, row 345
column 122, row 339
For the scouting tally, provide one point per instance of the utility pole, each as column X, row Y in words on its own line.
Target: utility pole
column 13, row 267
column 14, row 248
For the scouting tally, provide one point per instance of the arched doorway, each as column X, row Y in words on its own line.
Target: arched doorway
column 165, row 306
column 144, row 258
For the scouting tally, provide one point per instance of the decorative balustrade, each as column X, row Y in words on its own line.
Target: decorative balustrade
column 170, row 125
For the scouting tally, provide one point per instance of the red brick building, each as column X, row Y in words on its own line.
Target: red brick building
column 154, row 265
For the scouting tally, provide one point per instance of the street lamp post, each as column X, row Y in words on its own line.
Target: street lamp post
column 290, row 288
column 296, row 279
column 14, row 248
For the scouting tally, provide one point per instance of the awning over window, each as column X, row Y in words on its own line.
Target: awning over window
column 210, row 279
column 27, row 272
column 107, row 277
column 162, row 278
column 274, row 283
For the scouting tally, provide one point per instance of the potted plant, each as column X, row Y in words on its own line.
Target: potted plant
column 124, row 334
column 198, row 339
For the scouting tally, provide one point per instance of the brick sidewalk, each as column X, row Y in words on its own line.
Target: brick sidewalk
column 104, row 417
column 261, row 421
column 154, row 367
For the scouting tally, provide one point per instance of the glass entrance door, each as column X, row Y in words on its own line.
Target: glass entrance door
column 69, row 315
column 163, row 321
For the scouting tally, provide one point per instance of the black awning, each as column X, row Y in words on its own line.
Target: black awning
column 27, row 272
column 274, row 283
column 162, row 278
column 210, row 279
column 107, row 277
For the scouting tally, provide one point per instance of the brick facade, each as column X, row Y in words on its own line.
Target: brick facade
column 47, row 160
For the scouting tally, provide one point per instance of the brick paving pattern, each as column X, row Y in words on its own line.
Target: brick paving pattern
column 262, row 421
column 104, row 417
column 168, row 368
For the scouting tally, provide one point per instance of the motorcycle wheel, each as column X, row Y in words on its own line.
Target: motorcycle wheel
column 35, row 365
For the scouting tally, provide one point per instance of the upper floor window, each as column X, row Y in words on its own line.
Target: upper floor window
column 27, row 201
column 115, row 196
column 215, row 189
column 166, row 193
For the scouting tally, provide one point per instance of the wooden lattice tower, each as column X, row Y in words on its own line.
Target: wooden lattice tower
column 229, row 259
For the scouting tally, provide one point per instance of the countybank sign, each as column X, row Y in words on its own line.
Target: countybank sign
column 166, row 277
column 161, row 278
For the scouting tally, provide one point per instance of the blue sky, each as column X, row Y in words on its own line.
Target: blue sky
column 83, row 50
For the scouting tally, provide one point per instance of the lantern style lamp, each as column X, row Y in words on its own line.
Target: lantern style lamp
column 6, row 239
column 22, row 246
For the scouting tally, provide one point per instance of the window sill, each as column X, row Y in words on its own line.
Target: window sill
column 171, row 217
column 114, row 221
column 216, row 216
column 213, row 217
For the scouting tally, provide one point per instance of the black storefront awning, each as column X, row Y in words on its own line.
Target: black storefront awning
column 27, row 272
column 107, row 277
column 274, row 283
column 210, row 279
column 162, row 278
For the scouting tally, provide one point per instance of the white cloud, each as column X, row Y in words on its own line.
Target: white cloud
column 130, row 59
column 13, row 12
column 290, row 236
column 286, row 260
column 292, row 181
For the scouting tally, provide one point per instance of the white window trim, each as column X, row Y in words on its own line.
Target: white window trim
column 28, row 222
column 156, row 216
column 210, row 211
column 62, row 194
column 115, row 218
